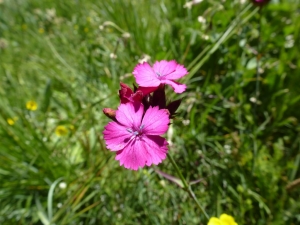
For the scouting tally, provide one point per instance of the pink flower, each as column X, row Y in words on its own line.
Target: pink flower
column 135, row 137
column 260, row 2
column 162, row 72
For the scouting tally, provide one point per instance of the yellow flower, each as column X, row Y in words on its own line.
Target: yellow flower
column 41, row 30
column 11, row 121
column 214, row 221
column 224, row 220
column 24, row 26
column 31, row 105
column 228, row 220
column 86, row 30
column 61, row 131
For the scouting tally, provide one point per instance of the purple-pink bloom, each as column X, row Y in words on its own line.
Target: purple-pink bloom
column 162, row 72
column 135, row 135
column 260, row 2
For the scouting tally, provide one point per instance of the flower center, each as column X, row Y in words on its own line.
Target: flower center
column 136, row 132
column 161, row 76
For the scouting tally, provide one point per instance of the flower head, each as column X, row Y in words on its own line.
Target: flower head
column 31, row 105
column 11, row 121
column 214, row 221
column 135, row 135
column 41, row 30
column 162, row 72
column 260, row 2
column 224, row 220
column 228, row 220
column 61, row 131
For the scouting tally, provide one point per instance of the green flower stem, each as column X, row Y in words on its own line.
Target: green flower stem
column 187, row 187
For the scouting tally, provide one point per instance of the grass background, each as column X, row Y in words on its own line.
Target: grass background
column 237, row 128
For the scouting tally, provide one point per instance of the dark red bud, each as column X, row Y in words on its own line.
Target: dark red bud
column 125, row 93
column 173, row 106
column 159, row 97
column 138, row 96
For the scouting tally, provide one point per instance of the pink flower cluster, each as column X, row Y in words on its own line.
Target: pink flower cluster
column 144, row 115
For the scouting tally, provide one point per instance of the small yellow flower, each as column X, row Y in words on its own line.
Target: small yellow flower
column 224, row 220
column 24, row 26
column 86, row 30
column 41, row 30
column 61, row 131
column 214, row 221
column 228, row 220
column 31, row 105
column 11, row 121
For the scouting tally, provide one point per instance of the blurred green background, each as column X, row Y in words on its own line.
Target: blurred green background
column 237, row 128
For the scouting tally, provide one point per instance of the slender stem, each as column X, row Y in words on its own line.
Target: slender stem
column 185, row 184
column 257, row 85
column 187, row 187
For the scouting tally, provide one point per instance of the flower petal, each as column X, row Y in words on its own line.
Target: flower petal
column 164, row 67
column 116, row 136
column 228, row 220
column 147, row 150
column 214, row 221
column 155, row 121
column 147, row 90
column 133, row 156
column 157, row 148
column 145, row 76
column 178, row 88
column 179, row 72
column 130, row 114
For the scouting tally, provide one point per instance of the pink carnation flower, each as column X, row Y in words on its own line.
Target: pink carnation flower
column 135, row 137
column 162, row 72
column 260, row 2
